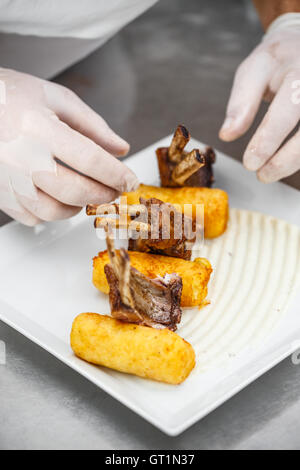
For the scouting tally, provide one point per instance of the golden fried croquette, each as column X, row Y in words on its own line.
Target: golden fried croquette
column 215, row 203
column 195, row 274
column 147, row 352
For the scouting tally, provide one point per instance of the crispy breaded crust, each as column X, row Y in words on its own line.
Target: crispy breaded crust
column 160, row 355
column 216, row 209
column 195, row 274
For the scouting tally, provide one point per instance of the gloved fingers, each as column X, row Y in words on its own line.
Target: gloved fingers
column 46, row 208
column 82, row 154
column 24, row 216
column 281, row 118
column 78, row 115
column 73, row 189
column 249, row 85
column 284, row 163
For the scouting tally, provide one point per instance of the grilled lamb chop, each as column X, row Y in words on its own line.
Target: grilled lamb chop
column 135, row 298
column 179, row 168
column 158, row 227
column 171, row 231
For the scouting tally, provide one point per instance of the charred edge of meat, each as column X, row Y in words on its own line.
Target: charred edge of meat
column 184, row 132
column 180, row 139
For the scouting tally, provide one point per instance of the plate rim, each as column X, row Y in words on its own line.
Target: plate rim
column 63, row 352
column 51, row 343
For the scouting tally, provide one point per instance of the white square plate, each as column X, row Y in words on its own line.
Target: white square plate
column 46, row 281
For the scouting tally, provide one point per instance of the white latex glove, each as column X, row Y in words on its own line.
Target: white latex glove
column 40, row 120
column 271, row 71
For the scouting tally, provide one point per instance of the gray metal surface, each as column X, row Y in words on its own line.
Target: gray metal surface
column 174, row 64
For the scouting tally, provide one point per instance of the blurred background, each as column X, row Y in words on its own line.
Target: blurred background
column 174, row 64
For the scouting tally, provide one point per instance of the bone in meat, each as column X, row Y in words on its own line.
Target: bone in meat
column 170, row 234
column 138, row 299
column 179, row 141
column 192, row 162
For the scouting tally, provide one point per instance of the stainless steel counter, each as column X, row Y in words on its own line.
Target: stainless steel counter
column 174, row 64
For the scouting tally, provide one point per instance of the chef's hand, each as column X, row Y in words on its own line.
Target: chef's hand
column 272, row 71
column 40, row 122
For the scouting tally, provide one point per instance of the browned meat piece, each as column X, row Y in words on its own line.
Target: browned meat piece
column 138, row 299
column 165, row 167
column 170, row 231
column 204, row 177
column 190, row 164
column 159, row 227
column 194, row 168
